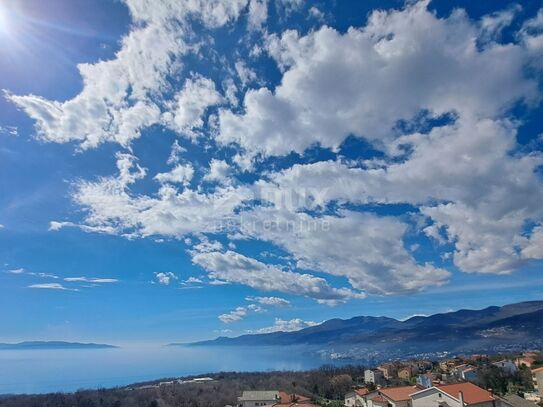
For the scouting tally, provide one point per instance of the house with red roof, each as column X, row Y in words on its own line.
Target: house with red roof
column 388, row 397
column 456, row 395
column 355, row 398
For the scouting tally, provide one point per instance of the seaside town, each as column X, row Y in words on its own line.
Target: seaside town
column 475, row 381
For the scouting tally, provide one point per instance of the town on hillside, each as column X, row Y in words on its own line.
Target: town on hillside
column 474, row 381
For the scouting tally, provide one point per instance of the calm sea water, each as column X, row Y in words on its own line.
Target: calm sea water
column 40, row 371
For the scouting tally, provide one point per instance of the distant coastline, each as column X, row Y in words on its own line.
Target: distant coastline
column 29, row 345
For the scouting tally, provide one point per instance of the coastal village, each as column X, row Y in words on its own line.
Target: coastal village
column 458, row 382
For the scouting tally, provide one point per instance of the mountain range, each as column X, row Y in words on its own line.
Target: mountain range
column 519, row 324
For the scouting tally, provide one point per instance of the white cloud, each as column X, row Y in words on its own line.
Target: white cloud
column 43, row 275
column 165, row 278
column 180, row 174
column 16, row 271
column 91, row 280
column 219, row 171
column 31, row 273
column 281, row 325
column 193, row 280
column 122, row 96
column 246, row 75
column 52, row 286
column 186, row 114
column 364, row 81
column 256, row 308
column 477, row 195
column 9, row 131
column 316, row 13
column 467, row 181
column 275, row 301
column 236, row 268
column 532, row 248
column 365, row 248
column 258, row 14
column 115, row 103
column 493, row 24
column 233, row 316
column 111, row 206
column 289, row 6
column 176, row 152
column 240, row 313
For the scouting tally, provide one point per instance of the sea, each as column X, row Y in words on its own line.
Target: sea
column 68, row 370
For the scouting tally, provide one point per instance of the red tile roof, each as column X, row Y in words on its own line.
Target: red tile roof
column 293, row 400
column 379, row 399
column 361, row 392
column 472, row 394
column 398, row 393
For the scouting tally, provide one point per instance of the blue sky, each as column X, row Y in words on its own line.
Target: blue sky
column 173, row 171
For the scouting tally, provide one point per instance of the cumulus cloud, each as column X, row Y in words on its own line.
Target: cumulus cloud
column 466, row 182
column 258, row 14
column 233, row 316
column 275, row 301
column 111, row 205
column 165, row 278
column 180, row 174
column 234, row 267
column 124, row 95
column 477, row 195
column 187, row 112
column 219, row 171
column 240, row 313
column 281, row 325
column 366, row 80
column 365, row 248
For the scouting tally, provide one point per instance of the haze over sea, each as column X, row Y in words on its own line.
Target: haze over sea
column 42, row 371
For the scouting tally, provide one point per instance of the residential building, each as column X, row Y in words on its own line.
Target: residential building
column 455, row 395
column 398, row 396
column 378, row 401
column 425, row 380
column 405, row 373
column 506, row 365
column 389, row 370
column 273, row 398
column 374, row 376
column 355, row 398
column 294, row 400
column 458, row 371
column 256, row 398
column 447, row 365
column 517, row 401
column 525, row 360
column 537, row 376
column 469, row 374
